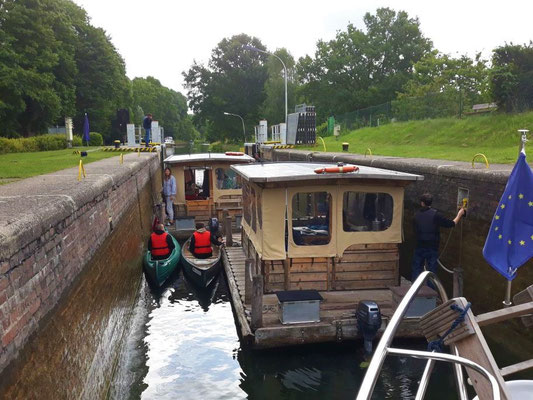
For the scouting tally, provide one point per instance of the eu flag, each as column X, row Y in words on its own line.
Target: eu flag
column 509, row 243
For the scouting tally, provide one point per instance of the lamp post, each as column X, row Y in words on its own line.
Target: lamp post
column 247, row 47
column 242, row 120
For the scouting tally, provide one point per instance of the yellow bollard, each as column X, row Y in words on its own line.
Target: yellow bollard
column 368, row 152
column 138, row 152
column 81, row 170
column 121, row 158
column 482, row 156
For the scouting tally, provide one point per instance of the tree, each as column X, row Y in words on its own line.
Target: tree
column 166, row 105
column 37, row 68
column 273, row 108
column 442, row 85
column 102, row 86
column 233, row 81
column 511, row 78
column 361, row 68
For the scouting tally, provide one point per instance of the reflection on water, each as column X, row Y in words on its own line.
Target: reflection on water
column 184, row 344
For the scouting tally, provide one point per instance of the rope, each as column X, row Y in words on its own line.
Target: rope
column 436, row 345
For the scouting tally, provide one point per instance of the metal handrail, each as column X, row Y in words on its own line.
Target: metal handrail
column 451, row 359
column 383, row 348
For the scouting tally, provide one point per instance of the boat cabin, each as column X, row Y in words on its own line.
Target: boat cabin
column 206, row 185
column 328, row 231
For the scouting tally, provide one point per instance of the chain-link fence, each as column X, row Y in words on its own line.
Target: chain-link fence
column 434, row 105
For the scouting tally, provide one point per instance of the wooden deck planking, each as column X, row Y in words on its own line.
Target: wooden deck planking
column 336, row 311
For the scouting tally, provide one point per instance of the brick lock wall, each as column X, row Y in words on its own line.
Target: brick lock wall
column 34, row 278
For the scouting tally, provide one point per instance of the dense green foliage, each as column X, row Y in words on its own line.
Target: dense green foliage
column 166, row 106
column 361, row 68
column 53, row 63
column 494, row 135
column 512, row 77
column 233, row 81
column 44, row 143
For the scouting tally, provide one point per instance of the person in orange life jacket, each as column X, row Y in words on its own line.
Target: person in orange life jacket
column 427, row 228
column 201, row 240
column 160, row 243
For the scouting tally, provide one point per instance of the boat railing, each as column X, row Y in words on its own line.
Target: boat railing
column 384, row 349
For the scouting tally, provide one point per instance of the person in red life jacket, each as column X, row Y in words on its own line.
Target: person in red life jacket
column 201, row 241
column 160, row 243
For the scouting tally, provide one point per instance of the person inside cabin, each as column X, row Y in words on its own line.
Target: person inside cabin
column 220, row 178
column 201, row 241
column 427, row 224
column 160, row 243
column 169, row 192
column 190, row 187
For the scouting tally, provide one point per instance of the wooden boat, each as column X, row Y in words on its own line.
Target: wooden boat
column 200, row 271
column 159, row 270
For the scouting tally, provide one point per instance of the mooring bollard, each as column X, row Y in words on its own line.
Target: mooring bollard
column 257, row 302
column 345, row 146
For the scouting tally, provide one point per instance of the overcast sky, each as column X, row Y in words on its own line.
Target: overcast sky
column 162, row 37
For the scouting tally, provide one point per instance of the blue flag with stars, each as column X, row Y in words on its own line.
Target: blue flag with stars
column 509, row 243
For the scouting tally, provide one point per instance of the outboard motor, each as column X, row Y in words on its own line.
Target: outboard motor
column 368, row 322
column 213, row 226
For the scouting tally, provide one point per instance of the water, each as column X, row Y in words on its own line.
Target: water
column 183, row 344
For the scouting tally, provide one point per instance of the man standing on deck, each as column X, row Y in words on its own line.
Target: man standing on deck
column 428, row 222
column 147, row 125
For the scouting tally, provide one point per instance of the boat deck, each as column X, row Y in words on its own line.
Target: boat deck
column 337, row 319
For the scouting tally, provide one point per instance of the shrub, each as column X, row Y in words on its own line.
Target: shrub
column 76, row 141
column 217, row 147
column 322, row 129
column 50, row 142
column 95, row 139
column 35, row 143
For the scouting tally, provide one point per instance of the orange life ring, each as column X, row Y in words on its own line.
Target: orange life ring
column 336, row 170
column 234, row 153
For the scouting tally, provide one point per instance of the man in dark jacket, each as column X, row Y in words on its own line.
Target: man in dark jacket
column 428, row 222
column 160, row 243
column 147, row 125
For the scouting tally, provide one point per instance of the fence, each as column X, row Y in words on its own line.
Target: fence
column 434, row 105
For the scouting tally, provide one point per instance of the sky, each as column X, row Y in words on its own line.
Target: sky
column 162, row 38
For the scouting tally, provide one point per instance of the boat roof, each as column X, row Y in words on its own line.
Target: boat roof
column 207, row 158
column 290, row 172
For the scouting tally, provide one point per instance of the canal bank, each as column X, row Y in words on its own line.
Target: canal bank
column 62, row 242
column 482, row 285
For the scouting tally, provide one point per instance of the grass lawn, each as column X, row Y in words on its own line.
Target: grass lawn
column 16, row 166
column 494, row 135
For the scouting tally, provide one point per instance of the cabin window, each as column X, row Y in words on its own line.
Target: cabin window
column 311, row 218
column 362, row 212
column 197, row 183
column 226, row 178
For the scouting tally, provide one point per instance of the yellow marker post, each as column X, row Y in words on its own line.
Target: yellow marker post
column 81, row 170
column 323, row 143
column 482, row 156
column 139, row 152
column 121, row 158
column 369, row 152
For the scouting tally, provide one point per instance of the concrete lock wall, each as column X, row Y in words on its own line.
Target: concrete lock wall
column 50, row 228
column 483, row 286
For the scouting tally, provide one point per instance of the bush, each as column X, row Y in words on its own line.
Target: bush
column 216, row 147
column 322, row 129
column 76, row 141
column 36, row 143
column 95, row 139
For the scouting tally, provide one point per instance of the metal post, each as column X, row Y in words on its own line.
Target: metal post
column 507, row 302
column 242, row 120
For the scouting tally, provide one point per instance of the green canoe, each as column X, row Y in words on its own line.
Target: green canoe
column 159, row 270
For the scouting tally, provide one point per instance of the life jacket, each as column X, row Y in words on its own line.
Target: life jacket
column 202, row 242
column 159, row 244
column 426, row 229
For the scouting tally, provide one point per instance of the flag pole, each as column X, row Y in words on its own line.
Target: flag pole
column 523, row 139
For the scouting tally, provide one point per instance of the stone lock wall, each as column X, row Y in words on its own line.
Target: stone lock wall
column 50, row 228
